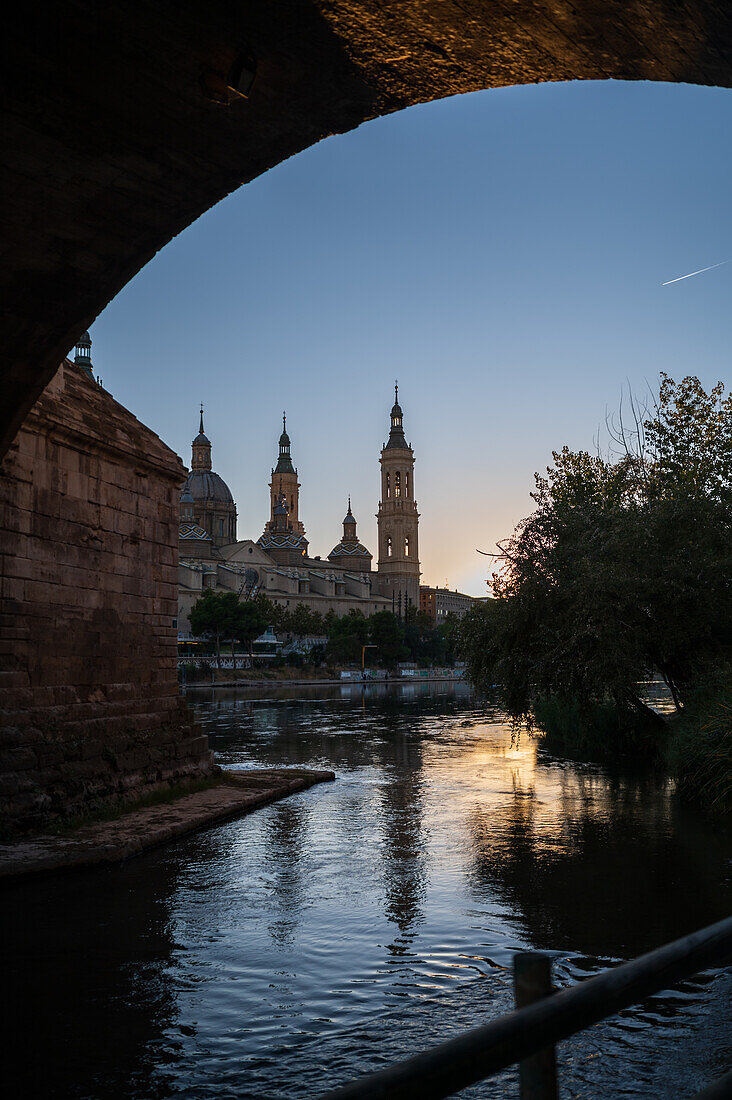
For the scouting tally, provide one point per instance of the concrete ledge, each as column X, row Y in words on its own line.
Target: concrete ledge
column 134, row 832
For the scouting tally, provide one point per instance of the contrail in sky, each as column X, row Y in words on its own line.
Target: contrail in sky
column 699, row 272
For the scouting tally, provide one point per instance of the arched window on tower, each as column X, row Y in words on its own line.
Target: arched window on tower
column 406, row 485
column 406, row 548
column 388, row 486
column 397, row 484
column 292, row 504
column 388, row 548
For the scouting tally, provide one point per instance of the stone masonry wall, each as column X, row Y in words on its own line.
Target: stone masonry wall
column 89, row 705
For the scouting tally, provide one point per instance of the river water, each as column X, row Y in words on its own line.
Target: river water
column 353, row 924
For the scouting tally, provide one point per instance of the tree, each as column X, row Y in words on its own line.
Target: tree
column 330, row 621
column 449, row 633
column 425, row 642
column 387, row 635
column 277, row 616
column 347, row 635
column 623, row 568
column 304, row 621
column 215, row 616
column 249, row 623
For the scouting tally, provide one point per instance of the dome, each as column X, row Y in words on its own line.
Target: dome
column 206, row 485
column 186, row 497
column 283, row 540
column 352, row 550
column 284, row 440
column 349, row 547
column 191, row 532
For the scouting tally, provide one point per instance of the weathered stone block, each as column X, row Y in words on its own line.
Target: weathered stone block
column 192, row 746
column 17, row 760
column 13, row 680
column 50, row 753
column 29, row 806
column 12, row 783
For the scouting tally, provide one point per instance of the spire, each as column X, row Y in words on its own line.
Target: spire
column 201, row 449
column 284, row 462
column 396, row 433
column 349, row 525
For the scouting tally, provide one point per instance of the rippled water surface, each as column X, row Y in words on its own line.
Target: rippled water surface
column 353, row 924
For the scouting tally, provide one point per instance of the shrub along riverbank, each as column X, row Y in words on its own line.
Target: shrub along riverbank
column 698, row 749
column 622, row 572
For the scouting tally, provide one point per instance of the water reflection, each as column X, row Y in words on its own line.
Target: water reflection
column 596, row 864
column 404, row 846
column 350, row 925
column 287, row 839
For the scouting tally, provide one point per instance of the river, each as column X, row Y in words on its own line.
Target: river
column 353, row 924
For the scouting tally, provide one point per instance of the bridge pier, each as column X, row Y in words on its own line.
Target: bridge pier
column 90, row 712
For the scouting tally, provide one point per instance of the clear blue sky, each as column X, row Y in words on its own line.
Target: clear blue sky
column 501, row 253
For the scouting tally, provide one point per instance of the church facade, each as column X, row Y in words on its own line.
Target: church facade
column 278, row 563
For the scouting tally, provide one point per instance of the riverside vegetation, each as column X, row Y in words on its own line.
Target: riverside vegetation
column 622, row 574
column 222, row 616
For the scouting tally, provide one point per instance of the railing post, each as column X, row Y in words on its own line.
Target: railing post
column 532, row 980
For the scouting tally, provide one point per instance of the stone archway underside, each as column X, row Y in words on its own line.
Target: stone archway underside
column 111, row 147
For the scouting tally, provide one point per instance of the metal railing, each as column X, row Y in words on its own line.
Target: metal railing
column 528, row 1034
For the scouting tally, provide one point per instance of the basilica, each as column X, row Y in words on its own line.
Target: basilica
column 278, row 564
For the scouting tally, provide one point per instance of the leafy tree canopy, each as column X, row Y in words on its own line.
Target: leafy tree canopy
column 250, row 621
column 387, row 634
column 305, row 622
column 623, row 568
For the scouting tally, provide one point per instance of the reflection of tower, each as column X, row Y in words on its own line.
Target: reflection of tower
column 284, row 484
column 398, row 518
column 404, row 862
column 287, row 833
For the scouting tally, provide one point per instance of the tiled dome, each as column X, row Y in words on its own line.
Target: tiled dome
column 205, row 485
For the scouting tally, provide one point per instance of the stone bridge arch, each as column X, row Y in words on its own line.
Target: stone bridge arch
column 122, row 125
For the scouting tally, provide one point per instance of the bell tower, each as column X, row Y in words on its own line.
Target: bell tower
column 285, row 486
column 398, row 518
